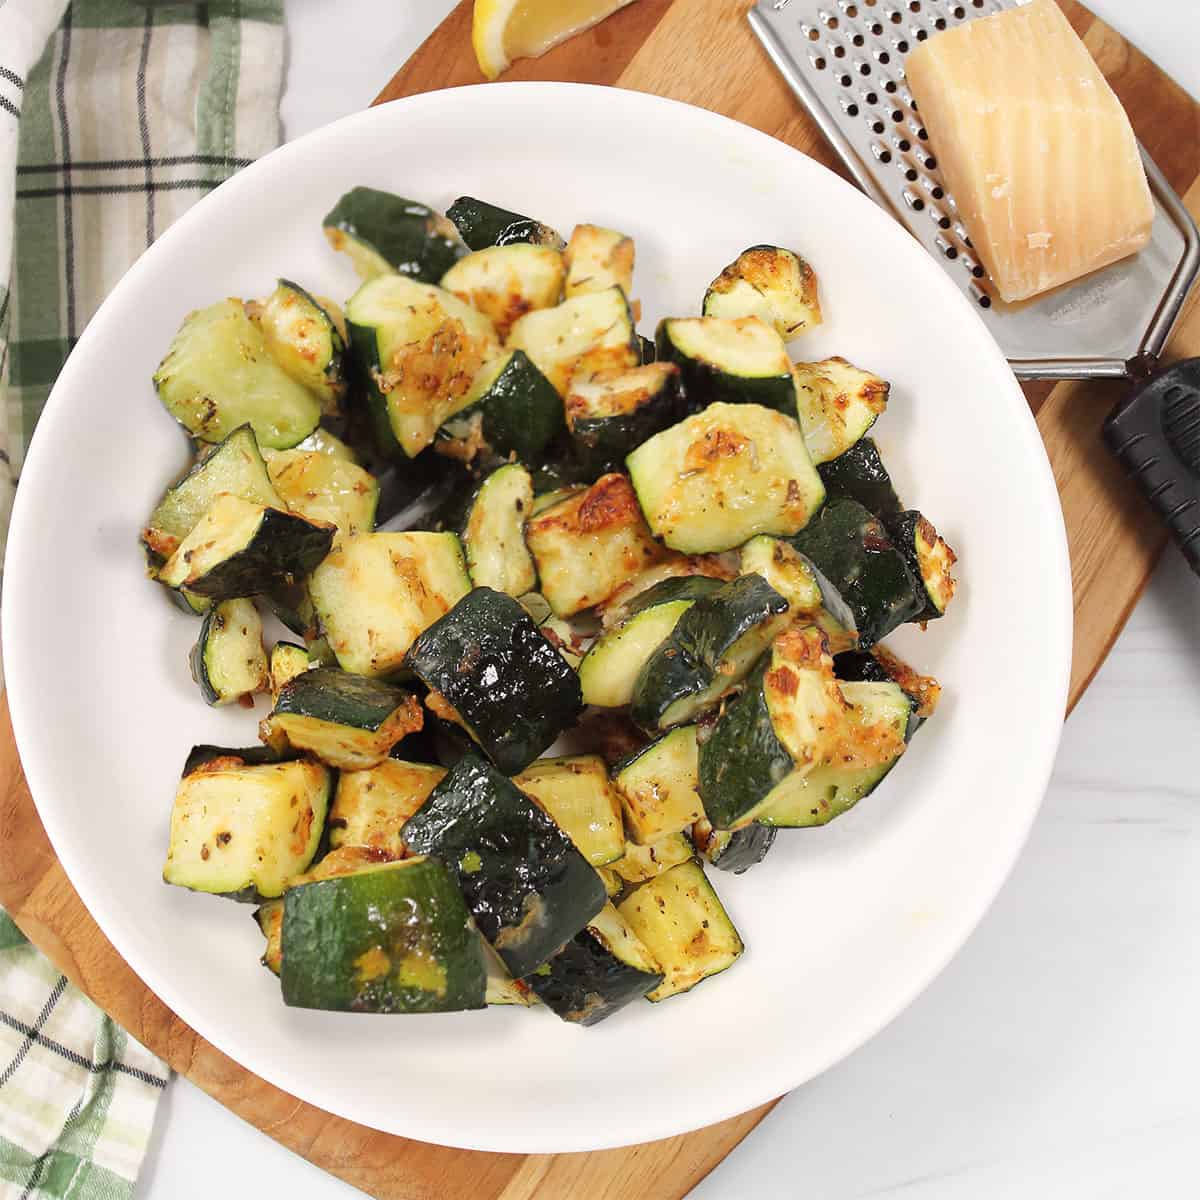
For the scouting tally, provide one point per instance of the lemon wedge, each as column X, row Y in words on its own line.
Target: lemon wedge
column 505, row 30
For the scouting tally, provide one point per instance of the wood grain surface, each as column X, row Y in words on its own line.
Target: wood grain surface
column 700, row 51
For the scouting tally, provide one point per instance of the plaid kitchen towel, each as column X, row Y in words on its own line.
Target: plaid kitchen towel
column 115, row 117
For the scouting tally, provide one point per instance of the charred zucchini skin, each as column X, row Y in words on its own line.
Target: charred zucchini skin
column 252, row 756
column 394, row 939
column 482, row 225
column 527, row 886
column 743, row 759
column 853, row 550
column 512, row 688
column 327, row 694
column 860, row 475
column 908, row 530
column 403, row 232
column 601, row 443
column 735, row 851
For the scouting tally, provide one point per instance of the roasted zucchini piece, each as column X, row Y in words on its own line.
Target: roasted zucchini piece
column 600, row 970
column 269, row 919
column 228, row 660
column 733, row 850
column 681, row 922
column 383, row 233
column 323, row 488
column 611, row 667
column 242, row 826
column 723, row 475
column 528, row 888
column 811, row 598
column 621, row 604
column 640, row 863
column 377, row 591
column 493, row 534
column 589, row 544
column 239, row 548
column 219, row 374
column 506, row 282
column 370, row 807
column 880, row 665
column 577, row 794
column 609, row 416
column 732, row 362
column 419, row 349
column 390, row 938
column 860, row 475
column 567, row 640
column 770, row 283
column 481, row 225
column 504, row 682
column 710, row 651
column 287, row 660
column 853, row 550
column 660, row 787
column 837, row 403
column 929, row 559
column 585, row 335
column 307, row 340
column 512, row 408
column 598, row 259
column 235, row 466
column 321, row 439
column 345, row 720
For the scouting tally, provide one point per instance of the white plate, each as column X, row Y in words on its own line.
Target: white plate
column 844, row 925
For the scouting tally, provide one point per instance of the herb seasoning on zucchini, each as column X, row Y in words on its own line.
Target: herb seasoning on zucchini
column 837, row 403
column 228, row 660
column 770, row 283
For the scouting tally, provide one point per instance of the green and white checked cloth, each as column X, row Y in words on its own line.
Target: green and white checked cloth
column 115, row 117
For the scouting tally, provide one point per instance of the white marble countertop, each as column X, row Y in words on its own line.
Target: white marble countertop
column 1055, row 1056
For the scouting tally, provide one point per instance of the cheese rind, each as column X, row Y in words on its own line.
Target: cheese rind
column 1034, row 146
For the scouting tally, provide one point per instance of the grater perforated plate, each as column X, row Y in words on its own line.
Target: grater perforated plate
column 845, row 60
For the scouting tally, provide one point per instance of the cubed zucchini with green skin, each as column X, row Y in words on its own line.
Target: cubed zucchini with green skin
column 239, row 548
column 598, row 972
column 611, row 416
column 243, row 829
column 736, row 850
column 305, row 339
column 859, row 474
column 576, row 793
column 287, row 660
column 610, row 669
column 481, row 225
column 723, row 475
column 837, row 403
column 324, row 488
column 584, row 335
column 624, row 601
column 370, row 807
column 493, row 534
column 528, row 887
column 235, row 466
column 880, row 665
column 506, row 282
column 589, row 544
column 770, row 283
column 383, row 233
column 377, row 591
column 392, row 938
column 228, row 661
column 854, row 551
column 929, row 559
column 419, row 349
column 709, row 652
column 508, row 686
column 346, row 720
column 660, row 787
column 598, row 259
column 640, row 863
column 512, row 408
column 219, row 375
column 729, row 361
column 684, row 926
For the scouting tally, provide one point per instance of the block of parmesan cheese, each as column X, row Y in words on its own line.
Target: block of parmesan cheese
column 1034, row 147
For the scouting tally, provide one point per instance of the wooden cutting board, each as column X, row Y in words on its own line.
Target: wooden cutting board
column 699, row 51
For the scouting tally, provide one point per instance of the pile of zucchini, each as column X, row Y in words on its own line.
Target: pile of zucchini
column 493, row 517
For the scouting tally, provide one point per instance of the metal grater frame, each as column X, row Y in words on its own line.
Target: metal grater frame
column 845, row 60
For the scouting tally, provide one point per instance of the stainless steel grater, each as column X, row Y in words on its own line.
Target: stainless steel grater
column 845, row 61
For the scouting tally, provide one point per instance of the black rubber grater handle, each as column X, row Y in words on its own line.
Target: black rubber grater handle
column 1156, row 435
